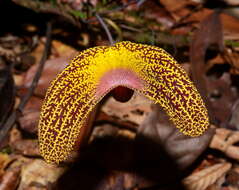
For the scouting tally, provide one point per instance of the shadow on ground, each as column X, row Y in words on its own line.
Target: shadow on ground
column 120, row 163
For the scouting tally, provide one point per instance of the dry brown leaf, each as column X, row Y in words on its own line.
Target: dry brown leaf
column 232, row 177
column 51, row 69
column 39, row 173
column 213, row 187
column 229, row 23
column 62, row 55
column 4, row 160
column 181, row 149
column 198, row 16
column 210, row 32
column 218, row 184
column 30, row 116
column 62, row 50
column 177, row 9
column 206, row 177
column 135, row 110
column 18, row 79
column 29, row 121
column 15, row 135
column 231, row 188
column 10, row 179
column 106, row 130
column 230, row 27
column 232, row 2
column 232, row 58
column 159, row 14
column 174, row 5
column 216, row 91
column 28, row 147
column 218, row 60
column 223, row 140
column 103, row 117
column 233, row 152
column 58, row 50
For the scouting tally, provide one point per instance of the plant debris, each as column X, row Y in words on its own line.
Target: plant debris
column 133, row 145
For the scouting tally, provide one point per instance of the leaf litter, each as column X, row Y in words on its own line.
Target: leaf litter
column 133, row 145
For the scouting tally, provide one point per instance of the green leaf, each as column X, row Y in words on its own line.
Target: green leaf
column 79, row 14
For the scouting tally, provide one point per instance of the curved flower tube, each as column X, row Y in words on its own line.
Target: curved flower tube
column 95, row 72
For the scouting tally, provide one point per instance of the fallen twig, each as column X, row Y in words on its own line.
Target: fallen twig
column 13, row 117
column 110, row 38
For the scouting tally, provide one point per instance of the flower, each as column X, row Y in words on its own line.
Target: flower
column 95, row 72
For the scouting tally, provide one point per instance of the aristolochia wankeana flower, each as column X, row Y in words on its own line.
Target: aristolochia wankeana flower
column 95, row 72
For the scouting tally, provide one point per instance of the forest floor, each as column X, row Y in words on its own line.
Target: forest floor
column 133, row 145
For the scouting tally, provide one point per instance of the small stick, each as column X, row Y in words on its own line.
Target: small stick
column 15, row 114
column 110, row 38
column 39, row 70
